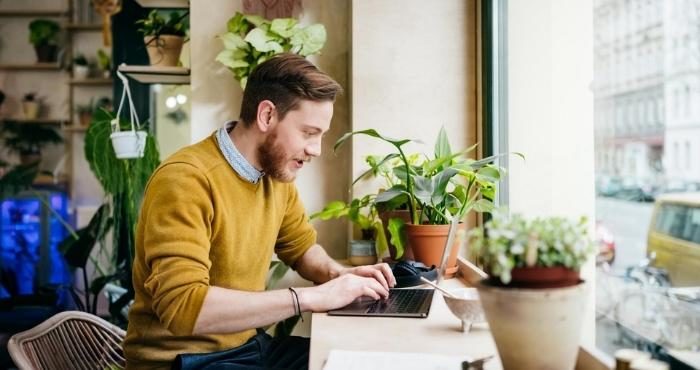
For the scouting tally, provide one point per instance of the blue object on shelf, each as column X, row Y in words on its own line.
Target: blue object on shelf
column 30, row 235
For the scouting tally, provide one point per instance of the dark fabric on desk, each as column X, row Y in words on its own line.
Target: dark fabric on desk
column 260, row 352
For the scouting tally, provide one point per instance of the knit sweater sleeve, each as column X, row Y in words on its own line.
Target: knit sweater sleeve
column 177, row 212
column 296, row 234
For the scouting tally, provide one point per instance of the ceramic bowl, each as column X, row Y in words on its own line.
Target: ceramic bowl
column 466, row 306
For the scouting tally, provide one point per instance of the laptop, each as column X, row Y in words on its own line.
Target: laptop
column 401, row 302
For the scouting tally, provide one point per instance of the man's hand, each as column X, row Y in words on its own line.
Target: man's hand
column 340, row 292
column 380, row 272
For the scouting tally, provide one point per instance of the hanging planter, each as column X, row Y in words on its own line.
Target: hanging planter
column 127, row 144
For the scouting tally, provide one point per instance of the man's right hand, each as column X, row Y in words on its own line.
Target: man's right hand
column 340, row 292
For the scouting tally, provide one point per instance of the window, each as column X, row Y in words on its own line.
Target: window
column 652, row 150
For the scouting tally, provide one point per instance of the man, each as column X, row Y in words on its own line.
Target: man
column 212, row 216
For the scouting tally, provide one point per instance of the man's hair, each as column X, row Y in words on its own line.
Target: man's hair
column 285, row 80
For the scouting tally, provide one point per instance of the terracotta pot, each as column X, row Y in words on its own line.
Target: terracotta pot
column 385, row 217
column 428, row 243
column 551, row 316
column 541, row 277
column 165, row 50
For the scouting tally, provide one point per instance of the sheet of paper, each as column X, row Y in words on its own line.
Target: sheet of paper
column 362, row 360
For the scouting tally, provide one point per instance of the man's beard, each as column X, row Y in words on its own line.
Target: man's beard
column 274, row 160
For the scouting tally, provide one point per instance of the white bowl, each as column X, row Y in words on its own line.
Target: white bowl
column 467, row 306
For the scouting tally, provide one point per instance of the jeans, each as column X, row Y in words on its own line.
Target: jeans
column 258, row 353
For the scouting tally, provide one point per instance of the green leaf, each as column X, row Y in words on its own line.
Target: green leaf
column 233, row 41
column 380, row 241
column 237, row 24
column 283, row 26
column 483, row 205
column 309, row 40
column 396, row 229
column 228, row 58
column 442, row 144
column 333, row 209
column 256, row 20
column 389, row 194
column 374, row 166
column 17, row 179
column 489, row 173
column 260, row 40
column 373, row 133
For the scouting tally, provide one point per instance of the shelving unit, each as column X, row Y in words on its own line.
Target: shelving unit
column 38, row 121
column 32, row 13
column 92, row 81
column 164, row 4
column 157, row 75
column 30, row 67
column 83, row 27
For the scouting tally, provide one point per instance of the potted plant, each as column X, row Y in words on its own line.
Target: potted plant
column 164, row 37
column 81, row 69
column 104, row 63
column 43, row 34
column 534, row 289
column 27, row 140
column 84, row 112
column 251, row 40
column 361, row 212
column 30, row 106
column 434, row 190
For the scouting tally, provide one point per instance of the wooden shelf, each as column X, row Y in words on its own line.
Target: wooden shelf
column 92, row 82
column 84, row 27
column 38, row 121
column 164, row 4
column 75, row 129
column 157, row 75
column 32, row 13
column 31, row 67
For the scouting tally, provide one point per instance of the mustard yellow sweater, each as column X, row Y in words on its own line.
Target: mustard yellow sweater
column 202, row 225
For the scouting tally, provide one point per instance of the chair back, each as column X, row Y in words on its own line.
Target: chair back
column 69, row 340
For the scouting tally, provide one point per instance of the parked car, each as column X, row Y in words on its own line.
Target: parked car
column 674, row 237
column 608, row 186
column 606, row 244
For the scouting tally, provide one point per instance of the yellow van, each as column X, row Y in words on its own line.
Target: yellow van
column 674, row 237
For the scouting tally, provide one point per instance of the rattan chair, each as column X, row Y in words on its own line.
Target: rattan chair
column 69, row 340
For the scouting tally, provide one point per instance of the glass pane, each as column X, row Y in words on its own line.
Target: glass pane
column 647, row 139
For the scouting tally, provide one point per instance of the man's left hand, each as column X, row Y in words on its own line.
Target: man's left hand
column 380, row 271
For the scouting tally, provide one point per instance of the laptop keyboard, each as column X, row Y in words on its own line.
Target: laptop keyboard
column 401, row 301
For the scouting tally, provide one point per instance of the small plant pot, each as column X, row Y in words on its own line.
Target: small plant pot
column 164, row 50
column 84, row 119
column 362, row 252
column 30, row 109
column 81, row 72
column 129, row 144
column 106, row 73
column 46, row 53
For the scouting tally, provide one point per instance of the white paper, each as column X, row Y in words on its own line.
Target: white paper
column 362, row 360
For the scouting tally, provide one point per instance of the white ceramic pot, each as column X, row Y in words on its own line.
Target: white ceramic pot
column 535, row 328
column 129, row 144
column 80, row 72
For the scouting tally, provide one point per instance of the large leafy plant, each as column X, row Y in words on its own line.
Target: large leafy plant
column 434, row 190
column 251, row 40
column 511, row 241
column 26, row 139
column 123, row 182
